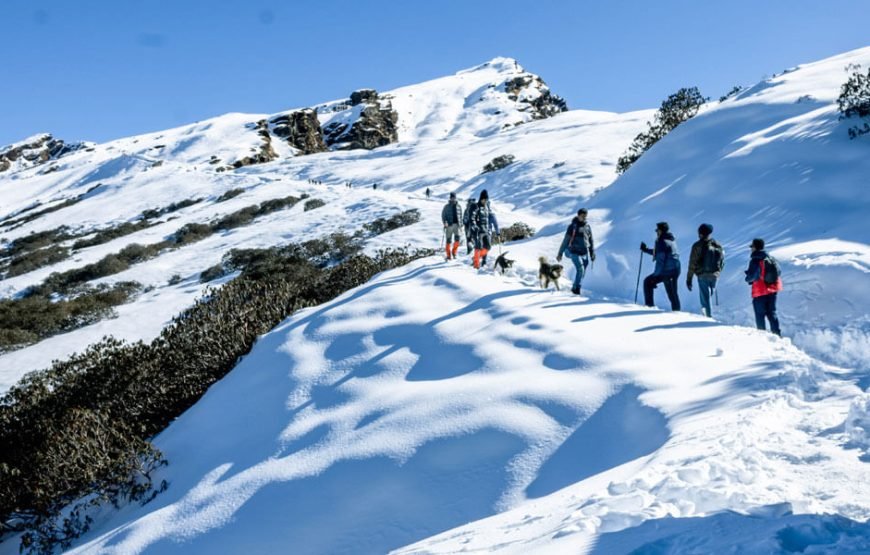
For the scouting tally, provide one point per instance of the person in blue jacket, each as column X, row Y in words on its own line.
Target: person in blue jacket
column 580, row 247
column 667, row 268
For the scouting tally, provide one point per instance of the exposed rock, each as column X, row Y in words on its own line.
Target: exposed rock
column 531, row 90
column 301, row 129
column 34, row 151
column 374, row 126
column 265, row 154
column 367, row 96
column 498, row 163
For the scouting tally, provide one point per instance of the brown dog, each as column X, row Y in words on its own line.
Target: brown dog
column 549, row 272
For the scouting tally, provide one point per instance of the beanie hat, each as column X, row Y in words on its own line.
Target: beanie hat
column 705, row 229
column 758, row 244
column 663, row 227
column 484, row 195
column 452, row 196
column 582, row 211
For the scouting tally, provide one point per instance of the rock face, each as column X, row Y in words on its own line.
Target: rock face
column 498, row 163
column 531, row 90
column 34, row 151
column 301, row 129
column 370, row 122
column 266, row 152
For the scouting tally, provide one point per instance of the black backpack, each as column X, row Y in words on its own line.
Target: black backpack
column 712, row 258
column 772, row 272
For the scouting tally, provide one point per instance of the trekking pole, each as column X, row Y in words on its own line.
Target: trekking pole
column 637, row 286
column 717, row 296
column 443, row 236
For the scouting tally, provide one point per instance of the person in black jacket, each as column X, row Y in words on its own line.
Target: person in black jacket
column 667, row 268
column 451, row 217
column 580, row 247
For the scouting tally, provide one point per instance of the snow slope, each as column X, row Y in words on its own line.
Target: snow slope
column 403, row 412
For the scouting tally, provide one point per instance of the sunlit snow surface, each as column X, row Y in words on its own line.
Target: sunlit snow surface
column 401, row 414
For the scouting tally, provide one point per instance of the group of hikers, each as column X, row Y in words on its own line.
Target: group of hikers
column 706, row 260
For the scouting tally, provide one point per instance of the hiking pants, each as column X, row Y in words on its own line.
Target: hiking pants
column 581, row 261
column 765, row 306
column 706, row 289
column 482, row 241
column 452, row 232
column 670, row 281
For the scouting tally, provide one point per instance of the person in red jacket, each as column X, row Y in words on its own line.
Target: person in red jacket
column 763, row 290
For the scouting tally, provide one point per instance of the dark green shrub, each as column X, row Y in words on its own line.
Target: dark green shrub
column 677, row 108
column 106, row 235
column 498, row 163
column 402, row 219
column 191, row 233
column 515, row 232
column 232, row 193
column 311, row 204
column 854, row 101
column 29, row 261
column 81, row 427
column 212, row 273
column 37, row 240
column 238, row 218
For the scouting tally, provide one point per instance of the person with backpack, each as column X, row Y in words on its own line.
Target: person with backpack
column 706, row 261
column 579, row 246
column 483, row 225
column 451, row 216
column 766, row 279
column 667, row 268
column 466, row 223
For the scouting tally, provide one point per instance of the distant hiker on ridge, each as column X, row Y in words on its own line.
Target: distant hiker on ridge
column 451, row 216
column 707, row 262
column 483, row 224
column 580, row 247
column 667, row 268
column 429, row 193
column 765, row 277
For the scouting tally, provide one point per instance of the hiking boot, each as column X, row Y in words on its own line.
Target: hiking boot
column 575, row 290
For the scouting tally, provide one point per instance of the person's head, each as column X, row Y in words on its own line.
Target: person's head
column 484, row 197
column 452, row 196
column 662, row 227
column 582, row 213
column 705, row 230
column 757, row 244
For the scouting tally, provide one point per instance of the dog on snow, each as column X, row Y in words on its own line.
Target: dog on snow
column 503, row 263
column 549, row 272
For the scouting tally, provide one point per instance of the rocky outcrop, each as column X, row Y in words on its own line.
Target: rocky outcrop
column 265, row 154
column 369, row 123
column 34, row 151
column 532, row 91
column 498, row 163
column 301, row 129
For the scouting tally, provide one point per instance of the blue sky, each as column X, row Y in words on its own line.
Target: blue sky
column 99, row 70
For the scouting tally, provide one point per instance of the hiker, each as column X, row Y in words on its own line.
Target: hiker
column 667, row 268
column 428, row 193
column 579, row 246
column 375, row 186
column 466, row 223
column 764, row 276
column 451, row 217
column 483, row 223
column 706, row 261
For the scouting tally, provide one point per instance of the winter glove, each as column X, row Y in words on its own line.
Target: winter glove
column 643, row 246
column 559, row 258
column 592, row 256
column 689, row 285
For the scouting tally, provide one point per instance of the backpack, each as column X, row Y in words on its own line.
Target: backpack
column 712, row 258
column 772, row 272
column 579, row 243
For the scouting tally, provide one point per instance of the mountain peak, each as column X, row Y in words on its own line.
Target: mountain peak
column 500, row 64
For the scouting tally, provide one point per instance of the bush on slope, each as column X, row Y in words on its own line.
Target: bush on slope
column 77, row 433
column 677, row 108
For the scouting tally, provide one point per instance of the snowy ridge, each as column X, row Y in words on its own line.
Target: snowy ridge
column 438, row 410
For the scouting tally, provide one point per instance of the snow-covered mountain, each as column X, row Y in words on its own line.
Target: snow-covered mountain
column 401, row 414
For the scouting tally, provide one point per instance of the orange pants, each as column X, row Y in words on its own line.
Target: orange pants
column 478, row 255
